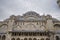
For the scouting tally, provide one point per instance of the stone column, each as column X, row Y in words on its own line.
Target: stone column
column 52, row 37
column 8, row 36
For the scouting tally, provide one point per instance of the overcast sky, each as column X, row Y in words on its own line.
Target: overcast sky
column 19, row 7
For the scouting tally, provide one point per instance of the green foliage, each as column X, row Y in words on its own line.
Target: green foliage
column 58, row 2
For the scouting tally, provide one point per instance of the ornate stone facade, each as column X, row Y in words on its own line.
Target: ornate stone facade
column 30, row 26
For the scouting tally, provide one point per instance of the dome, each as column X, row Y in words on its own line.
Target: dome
column 31, row 13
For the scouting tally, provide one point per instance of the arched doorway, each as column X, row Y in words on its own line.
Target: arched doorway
column 47, row 39
column 3, row 37
column 25, row 38
column 18, row 38
column 42, row 38
column 13, row 39
column 30, row 38
column 57, row 37
column 34, row 39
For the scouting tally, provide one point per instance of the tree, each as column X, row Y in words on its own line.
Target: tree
column 58, row 2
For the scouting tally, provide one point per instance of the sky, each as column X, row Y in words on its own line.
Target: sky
column 19, row 7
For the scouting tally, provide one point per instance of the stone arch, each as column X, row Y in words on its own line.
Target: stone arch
column 4, row 24
column 25, row 38
column 30, row 38
column 57, row 37
column 3, row 37
column 42, row 38
column 13, row 39
column 47, row 39
column 57, row 25
column 34, row 39
column 18, row 39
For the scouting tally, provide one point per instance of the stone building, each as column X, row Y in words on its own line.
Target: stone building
column 30, row 26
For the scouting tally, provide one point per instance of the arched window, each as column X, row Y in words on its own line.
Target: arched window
column 57, row 37
column 3, row 37
column 13, row 39
column 42, row 39
column 30, row 38
column 34, row 39
column 18, row 38
column 25, row 38
column 47, row 39
column 56, row 25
